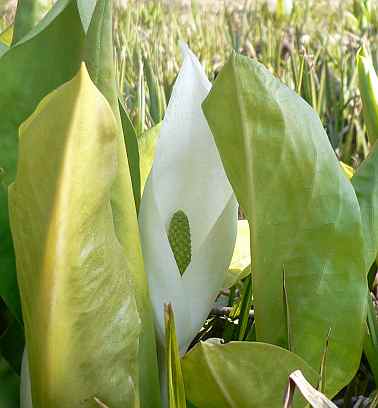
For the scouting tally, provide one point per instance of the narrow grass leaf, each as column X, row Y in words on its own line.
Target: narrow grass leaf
column 175, row 382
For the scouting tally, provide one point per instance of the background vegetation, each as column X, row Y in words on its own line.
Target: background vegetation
column 313, row 51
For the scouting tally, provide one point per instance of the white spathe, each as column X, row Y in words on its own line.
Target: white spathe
column 187, row 174
column 276, row 5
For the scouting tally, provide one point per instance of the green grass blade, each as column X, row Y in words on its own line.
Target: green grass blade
column 175, row 382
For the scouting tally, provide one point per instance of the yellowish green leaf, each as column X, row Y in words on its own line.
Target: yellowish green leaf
column 81, row 320
column 240, row 374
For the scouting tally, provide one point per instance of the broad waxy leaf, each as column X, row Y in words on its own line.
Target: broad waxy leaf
column 240, row 374
column 30, row 70
column 34, row 67
column 306, row 218
column 368, row 85
column 75, row 282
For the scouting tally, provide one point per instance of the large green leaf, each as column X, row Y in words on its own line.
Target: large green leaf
column 240, row 374
column 306, row 218
column 29, row 13
column 31, row 69
column 47, row 57
column 9, row 386
column 99, row 57
column 76, row 286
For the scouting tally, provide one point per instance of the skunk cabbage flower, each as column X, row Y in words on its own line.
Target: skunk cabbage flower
column 281, row 7
column 188, row 213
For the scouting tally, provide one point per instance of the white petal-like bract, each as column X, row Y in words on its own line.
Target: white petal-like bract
column 187, row 174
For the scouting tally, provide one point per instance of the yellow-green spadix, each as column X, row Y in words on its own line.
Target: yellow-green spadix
column 188, row 214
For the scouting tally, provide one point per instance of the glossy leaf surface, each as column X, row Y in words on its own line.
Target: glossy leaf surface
column 74, row 277
column 306, row 218
column 25, row 80
column 240, row 374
